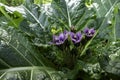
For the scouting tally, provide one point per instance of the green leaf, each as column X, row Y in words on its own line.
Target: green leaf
column 31, row 73
column 104, row 7
column 12, row 2
column 42, row 1
column 7, row 16
column 35, row 14
column 104, row 28
column 36, row 24
column 21, row 46
column 110, row 65
column 69, row 13
column 13, row 14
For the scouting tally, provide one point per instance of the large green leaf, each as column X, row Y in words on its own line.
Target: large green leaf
column 106, row 24
column 108, row 9
column 36, row 23
column 68, row 13
column 31, row 73
column 16, row 50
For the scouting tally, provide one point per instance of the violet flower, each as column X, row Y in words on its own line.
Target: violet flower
column 66, row 33
column 58, row 40
column 76, row 38
column 89, row 32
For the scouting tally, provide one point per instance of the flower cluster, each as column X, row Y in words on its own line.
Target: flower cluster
column 75, row 37
column 71, row 44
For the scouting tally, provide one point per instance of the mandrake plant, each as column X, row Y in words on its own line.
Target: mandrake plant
column 60, row 40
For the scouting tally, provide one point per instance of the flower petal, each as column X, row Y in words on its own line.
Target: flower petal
column 61, row 37
column 92, row 31
column 86, row 30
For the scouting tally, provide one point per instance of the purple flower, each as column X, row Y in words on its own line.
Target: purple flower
column 58, row 40
column 76, row 38
column 89, row 32
column 66, row 33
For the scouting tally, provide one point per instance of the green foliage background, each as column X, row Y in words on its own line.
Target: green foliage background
column 26, row 29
